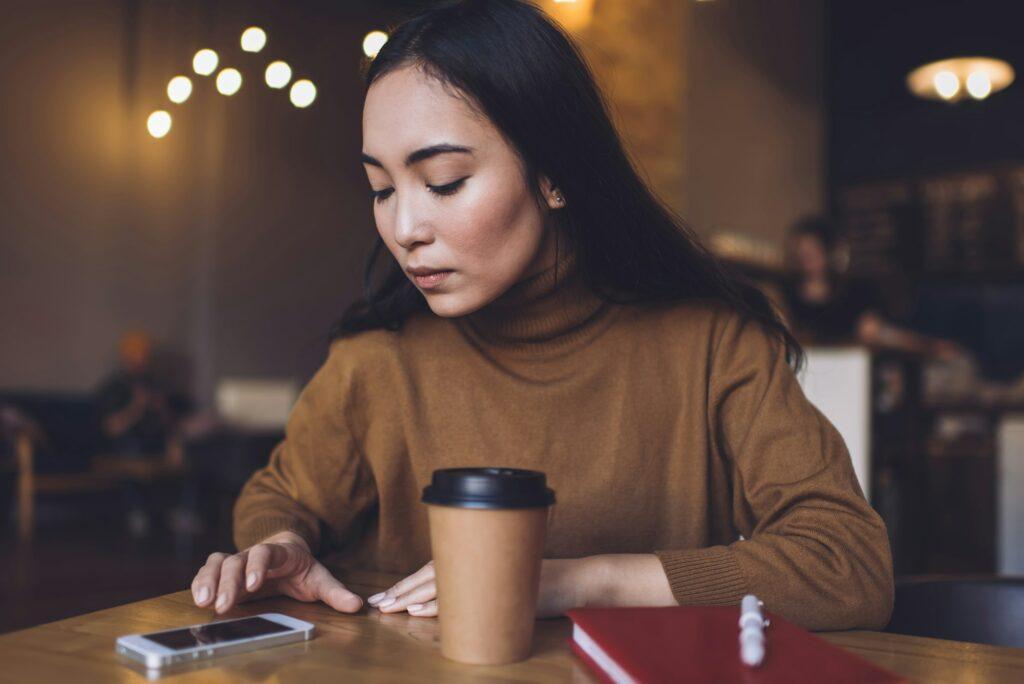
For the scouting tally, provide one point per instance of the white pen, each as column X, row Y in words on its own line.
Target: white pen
column 752, row 625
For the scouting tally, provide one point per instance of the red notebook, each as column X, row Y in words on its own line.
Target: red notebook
column 701, row 644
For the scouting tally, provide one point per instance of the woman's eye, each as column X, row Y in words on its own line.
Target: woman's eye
column 449, row 189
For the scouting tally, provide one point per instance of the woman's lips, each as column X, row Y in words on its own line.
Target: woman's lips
column 433, row 280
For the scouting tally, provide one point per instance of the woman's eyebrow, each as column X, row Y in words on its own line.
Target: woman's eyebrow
column 422, row 153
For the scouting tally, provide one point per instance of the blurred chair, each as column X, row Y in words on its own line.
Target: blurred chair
column 55, row 453
column 985, row 610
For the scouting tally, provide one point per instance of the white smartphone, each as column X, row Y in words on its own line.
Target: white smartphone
column 161, row 649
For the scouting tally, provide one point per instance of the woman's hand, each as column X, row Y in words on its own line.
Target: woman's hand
column 564, row 583
column 281, row 564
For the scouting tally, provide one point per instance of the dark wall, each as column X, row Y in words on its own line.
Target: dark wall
column 235, row 240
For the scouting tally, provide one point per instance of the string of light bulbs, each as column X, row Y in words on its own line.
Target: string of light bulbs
column 228, row 80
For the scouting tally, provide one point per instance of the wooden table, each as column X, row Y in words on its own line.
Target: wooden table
column 372, row 646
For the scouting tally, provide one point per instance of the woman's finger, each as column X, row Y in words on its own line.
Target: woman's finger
column 424, row 574
column 328, row 589
column 418, row 595
column 256, row 564
column 204, row 586
column 428, row 609
column 265, row 561
column 230, row 587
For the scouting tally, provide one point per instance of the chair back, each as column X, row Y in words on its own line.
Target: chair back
column 981, row 610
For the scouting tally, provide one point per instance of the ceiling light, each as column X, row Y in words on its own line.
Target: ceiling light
column 204, row 62
column 229, row 81
column 253, row 39
column 945, row 80
column 158, row 123
column 278, row 74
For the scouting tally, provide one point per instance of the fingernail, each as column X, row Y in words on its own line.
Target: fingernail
column 385, row 604
column 202, row 595
column 251, row 582
column 415, row 607
column 376, row 597
column 222, row 601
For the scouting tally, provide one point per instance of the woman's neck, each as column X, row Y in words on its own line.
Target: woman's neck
column 554, row 243
column 551, row 303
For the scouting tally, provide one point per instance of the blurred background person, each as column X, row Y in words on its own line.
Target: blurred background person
column 824, row 307
column 139, row 416
column 138, row 412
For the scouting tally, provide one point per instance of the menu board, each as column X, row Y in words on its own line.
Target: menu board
column 1015, row 187
column 873, row 220
column 968, row 223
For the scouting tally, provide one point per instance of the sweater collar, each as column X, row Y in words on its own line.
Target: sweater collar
column 549, row 306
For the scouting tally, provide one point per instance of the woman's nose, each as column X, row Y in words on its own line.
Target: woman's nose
column 411, row 225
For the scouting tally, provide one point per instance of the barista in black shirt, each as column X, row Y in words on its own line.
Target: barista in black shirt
column 823, row 307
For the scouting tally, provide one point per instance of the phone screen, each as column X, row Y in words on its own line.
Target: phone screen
column 217, row 633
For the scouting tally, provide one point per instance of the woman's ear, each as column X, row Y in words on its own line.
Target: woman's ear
column 552, row 195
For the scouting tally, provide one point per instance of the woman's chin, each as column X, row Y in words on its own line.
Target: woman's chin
column 450, row 305
column 446, row 305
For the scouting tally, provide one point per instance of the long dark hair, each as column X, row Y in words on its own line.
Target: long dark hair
column 519, row 69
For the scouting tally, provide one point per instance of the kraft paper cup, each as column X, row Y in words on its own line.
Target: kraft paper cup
column 487, row 533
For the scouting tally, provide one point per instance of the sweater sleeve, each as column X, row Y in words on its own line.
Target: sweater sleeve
column 316, row 475
column 813, row 550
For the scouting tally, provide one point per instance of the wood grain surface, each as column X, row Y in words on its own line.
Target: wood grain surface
column 373, row 647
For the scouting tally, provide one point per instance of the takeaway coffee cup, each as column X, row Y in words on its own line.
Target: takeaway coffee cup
column 487, row 530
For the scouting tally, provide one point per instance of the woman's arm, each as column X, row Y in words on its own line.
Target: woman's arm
column 601, row 580
column 872, row 329
column 316, row 475
column 623, row 579
column 813, row 550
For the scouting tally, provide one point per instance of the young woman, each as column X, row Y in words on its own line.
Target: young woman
column 541, row 309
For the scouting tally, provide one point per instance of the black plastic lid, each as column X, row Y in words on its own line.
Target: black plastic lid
column 488, row 488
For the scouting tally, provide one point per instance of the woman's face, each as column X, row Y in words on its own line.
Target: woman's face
column 450, row 193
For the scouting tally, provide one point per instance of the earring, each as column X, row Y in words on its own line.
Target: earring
column 559, row 200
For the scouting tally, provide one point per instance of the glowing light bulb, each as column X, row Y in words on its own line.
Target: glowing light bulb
column 253, row 39
column 278, row 74
column 158, row 123
column 946, row 84
column 179, row 89
column 229, row 81
column 205, row 62
column 979, row 85
column 303, row 93
column 373, row 42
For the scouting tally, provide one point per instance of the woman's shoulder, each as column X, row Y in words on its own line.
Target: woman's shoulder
column 717, row 327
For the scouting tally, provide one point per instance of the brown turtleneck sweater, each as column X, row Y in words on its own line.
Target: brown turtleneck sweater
column 663, row 428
